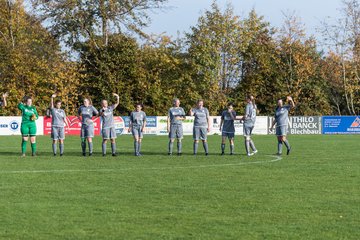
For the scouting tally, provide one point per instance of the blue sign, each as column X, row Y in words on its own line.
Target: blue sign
column 341, row 125
column 151, row 122
column 127, row 121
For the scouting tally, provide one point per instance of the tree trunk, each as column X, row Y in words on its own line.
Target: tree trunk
column 10, row 5
column 345, row 86
column 104, row 20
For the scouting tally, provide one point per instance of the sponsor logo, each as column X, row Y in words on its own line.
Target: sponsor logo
column 151, row 122
column 356, row 123
column 341, row 125
column 119, row 125
column 29, row 111
column 301, row 125
column 73, row 122
column 355, row 126
column 14, row 126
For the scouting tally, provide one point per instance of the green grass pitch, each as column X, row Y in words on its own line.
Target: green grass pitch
column 312, row 194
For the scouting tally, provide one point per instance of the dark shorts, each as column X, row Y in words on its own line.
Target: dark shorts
column 228, row 134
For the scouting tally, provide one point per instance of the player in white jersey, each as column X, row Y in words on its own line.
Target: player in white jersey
column 281, row 119
column 58, row 122
column 108, row 126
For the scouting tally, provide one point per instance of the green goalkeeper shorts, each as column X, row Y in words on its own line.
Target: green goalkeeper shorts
column 28, row 129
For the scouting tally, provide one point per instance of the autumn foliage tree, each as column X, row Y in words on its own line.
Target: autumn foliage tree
column 343, row 41
column 30, row 60
column 259, row 58
column 214, row 46
column 88, row 49
column 300, row 69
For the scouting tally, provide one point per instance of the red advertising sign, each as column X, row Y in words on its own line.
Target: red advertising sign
column 73, row 125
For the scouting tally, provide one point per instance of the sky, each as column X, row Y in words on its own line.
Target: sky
column 182, row 14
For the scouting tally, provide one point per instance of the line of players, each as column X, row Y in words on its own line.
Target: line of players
column 176, row 116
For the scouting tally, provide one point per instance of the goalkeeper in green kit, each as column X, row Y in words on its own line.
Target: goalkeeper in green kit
column 28, row 125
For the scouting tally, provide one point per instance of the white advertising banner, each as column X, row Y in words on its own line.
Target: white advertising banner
column 259, row 128
column 162, row 125
column 155, row 125
column 40, row 126
column 260, row 125
column 301, row 125
column 11, row 126
column 124, row 123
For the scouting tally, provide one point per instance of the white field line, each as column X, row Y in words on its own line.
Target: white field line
column 276, row 159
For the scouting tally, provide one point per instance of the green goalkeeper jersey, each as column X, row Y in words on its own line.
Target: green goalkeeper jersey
column 27, row 112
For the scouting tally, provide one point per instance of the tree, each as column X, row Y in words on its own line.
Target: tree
column 167, row 71
column 213, row 47
column 30, row 59
column 259, row 62
column 82, row 21
column 332, row 74
column 112, row 68
column 152, row 74
column 300, row 69
column 344, row 38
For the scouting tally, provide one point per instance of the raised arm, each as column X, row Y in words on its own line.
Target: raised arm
column 52, row 100
column 4, row 96
column 253, row 101
column 117, row 100
column 291, row 101
column 21, row 106
column 247, row 113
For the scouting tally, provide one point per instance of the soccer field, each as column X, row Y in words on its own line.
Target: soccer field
column 312, row 194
